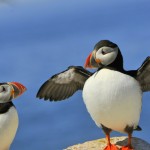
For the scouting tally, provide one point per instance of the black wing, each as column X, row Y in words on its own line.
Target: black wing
column 64, row 84
column 143, row 75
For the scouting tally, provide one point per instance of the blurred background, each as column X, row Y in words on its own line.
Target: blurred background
column 39, row 38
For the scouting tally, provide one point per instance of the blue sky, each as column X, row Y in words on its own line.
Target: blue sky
column 39, row 38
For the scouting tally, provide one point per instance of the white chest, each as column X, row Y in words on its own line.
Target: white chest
column 113, row 99
column 8, row 128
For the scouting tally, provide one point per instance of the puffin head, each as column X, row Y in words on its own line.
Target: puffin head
column 10, row 90
column 105, row 53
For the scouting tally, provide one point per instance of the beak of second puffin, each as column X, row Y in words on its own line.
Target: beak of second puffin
column 91, row 62
column 88, row 62
column 17, row 89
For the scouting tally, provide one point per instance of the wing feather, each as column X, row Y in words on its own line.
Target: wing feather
column 64, row 84
column 143, row 75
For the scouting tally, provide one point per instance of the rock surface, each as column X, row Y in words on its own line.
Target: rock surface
column 100, row 144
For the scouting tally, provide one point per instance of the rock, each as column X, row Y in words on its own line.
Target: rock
column 100, row 144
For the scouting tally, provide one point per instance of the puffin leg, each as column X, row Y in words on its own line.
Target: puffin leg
column 109, row 145
column 129, row 130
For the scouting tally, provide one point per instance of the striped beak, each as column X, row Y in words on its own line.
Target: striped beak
column 88, row 62
column 91, row 62
column 17, row 89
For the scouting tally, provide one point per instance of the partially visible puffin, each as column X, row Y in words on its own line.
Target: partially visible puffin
column 8, row 112
column 112, row 95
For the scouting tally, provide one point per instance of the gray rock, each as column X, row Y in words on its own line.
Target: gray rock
column 100, row 144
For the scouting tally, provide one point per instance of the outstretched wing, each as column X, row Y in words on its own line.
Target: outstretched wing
column 143, row 75
column 64, row 84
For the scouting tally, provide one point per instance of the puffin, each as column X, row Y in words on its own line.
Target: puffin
column 8, row 112
column 112, row 95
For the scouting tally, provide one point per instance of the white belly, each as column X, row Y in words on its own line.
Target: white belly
column 113, row 99
column 8, row 128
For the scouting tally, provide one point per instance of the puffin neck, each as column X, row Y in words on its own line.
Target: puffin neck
column 4, row 107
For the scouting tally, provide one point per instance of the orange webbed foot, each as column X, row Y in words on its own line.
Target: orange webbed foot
column 111, row 147
column 127, row 148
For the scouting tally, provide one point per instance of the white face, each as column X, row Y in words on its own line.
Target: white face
column 106, row 55
column 5, row 93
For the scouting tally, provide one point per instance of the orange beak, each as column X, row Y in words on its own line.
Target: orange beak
column 88, row 62
column 91, row 62
column 17, row 89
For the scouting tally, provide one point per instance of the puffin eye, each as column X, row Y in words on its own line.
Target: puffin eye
column 2, row 89
column 103, row 52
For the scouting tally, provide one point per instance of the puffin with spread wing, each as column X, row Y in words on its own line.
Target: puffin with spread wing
column 8, row 112
column 112, row 95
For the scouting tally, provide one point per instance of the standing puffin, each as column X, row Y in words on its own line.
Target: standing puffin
column 112, row 95
column 8, row 112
